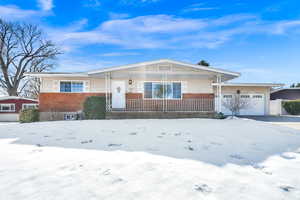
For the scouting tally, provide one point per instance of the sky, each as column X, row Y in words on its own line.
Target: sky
column 259, row 38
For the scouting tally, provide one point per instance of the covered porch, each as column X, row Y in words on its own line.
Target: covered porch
column 162, row 87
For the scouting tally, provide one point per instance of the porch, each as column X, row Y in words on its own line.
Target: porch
column 202, row 104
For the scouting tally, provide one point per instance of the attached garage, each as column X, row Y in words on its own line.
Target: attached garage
column 257, row 96
column 256, row 104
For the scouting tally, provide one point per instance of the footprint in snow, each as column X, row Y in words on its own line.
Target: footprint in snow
column 160, row 136
column 237, row 156
column 114, row 145
column 86, row 141
column 36, row 150
column 216, row 143
column 189, row 141
column 46, row 136
column 163, row 133
column 39, row 145
column 190, row 148
column 177, row 134
column 288, row 157
column 203, row 188
column 133, row 133
column 118, row 180
column 106, row 172
column 287, row 188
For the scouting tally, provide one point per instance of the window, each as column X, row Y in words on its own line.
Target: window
column 158, row 90
column 227, row 96
column 246, row 96
column 71, row 86
column 7, row 108
column 69, row 116
column 257, row 96
column 29, row 106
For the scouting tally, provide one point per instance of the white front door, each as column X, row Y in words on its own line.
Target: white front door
column 118, row 94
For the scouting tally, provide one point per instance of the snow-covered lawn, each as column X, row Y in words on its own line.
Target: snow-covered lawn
column 149, row 160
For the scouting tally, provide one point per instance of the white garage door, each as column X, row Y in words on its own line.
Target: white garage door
column 9, row 117
column 256, row 104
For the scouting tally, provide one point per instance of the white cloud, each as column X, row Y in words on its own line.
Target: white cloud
column 166, row 31
column 198, row 7
column 114, row 54
column 46, row 4
column 11, row 12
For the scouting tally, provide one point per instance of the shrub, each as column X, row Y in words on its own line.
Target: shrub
column 292, row 107
column 220, row 115
column 94, row 107
column 29, row 115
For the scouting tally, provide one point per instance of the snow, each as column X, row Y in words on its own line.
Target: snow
column 149, row 159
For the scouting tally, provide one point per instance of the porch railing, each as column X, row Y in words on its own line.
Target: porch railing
column 183, row 105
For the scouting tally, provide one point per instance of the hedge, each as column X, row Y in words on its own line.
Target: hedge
column 292, row 107
column 94, row 107
column 29, row 115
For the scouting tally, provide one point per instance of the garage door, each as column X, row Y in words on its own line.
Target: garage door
column 256, row 104
column 9, row 117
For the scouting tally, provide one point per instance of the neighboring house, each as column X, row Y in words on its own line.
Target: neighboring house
column 155, row 86
column 10, row 106
column 286, row 94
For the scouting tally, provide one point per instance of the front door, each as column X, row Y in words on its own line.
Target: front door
column 118, row 94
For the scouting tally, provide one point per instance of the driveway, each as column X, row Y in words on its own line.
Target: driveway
column 286, row 120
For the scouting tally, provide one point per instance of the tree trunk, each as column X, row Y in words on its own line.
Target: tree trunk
column 12, row 92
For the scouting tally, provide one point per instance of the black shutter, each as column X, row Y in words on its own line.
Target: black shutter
column 148, row 90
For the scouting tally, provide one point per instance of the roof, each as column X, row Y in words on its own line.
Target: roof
column 16, row 97
column 116, row 68
column 281, row 89
column 211, row 69
column 251, row 84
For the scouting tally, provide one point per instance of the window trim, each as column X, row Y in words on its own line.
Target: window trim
column 81, row 81
column 29, row 104
column 8, row 104
column 181, row 96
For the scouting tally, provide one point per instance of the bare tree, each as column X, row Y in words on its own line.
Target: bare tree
column 22, row 49
column 235, row 103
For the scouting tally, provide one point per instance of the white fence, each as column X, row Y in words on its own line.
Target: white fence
column 166, row 105
column 276, row 107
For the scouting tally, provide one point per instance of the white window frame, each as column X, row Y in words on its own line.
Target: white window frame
column 77, row 81
column 7, row 104
column 162, row 83
column 29, row 104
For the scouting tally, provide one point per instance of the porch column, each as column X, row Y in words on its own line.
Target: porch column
column 107, row 91
column 219, row 93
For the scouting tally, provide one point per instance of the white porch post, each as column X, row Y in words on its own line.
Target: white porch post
column 219, row 94
column 107, row 91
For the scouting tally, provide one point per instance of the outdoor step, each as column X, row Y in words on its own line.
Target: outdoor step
column 158, row 115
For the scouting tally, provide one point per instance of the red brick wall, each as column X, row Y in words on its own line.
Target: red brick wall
column 63, row 102
column 18, row 104
column 134, row 95
column 197, row 95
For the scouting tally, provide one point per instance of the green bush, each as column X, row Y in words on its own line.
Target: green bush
column 29, row 115
column 220, row 115
column 94, row 107
column 292, row 107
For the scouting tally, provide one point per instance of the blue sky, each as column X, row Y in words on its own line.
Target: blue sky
column 259, row 38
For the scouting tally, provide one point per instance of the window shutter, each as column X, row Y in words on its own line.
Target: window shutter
column 148, row 90
column 86, row 86
column 56, row 86
column 176, row 90
column 184, row 86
